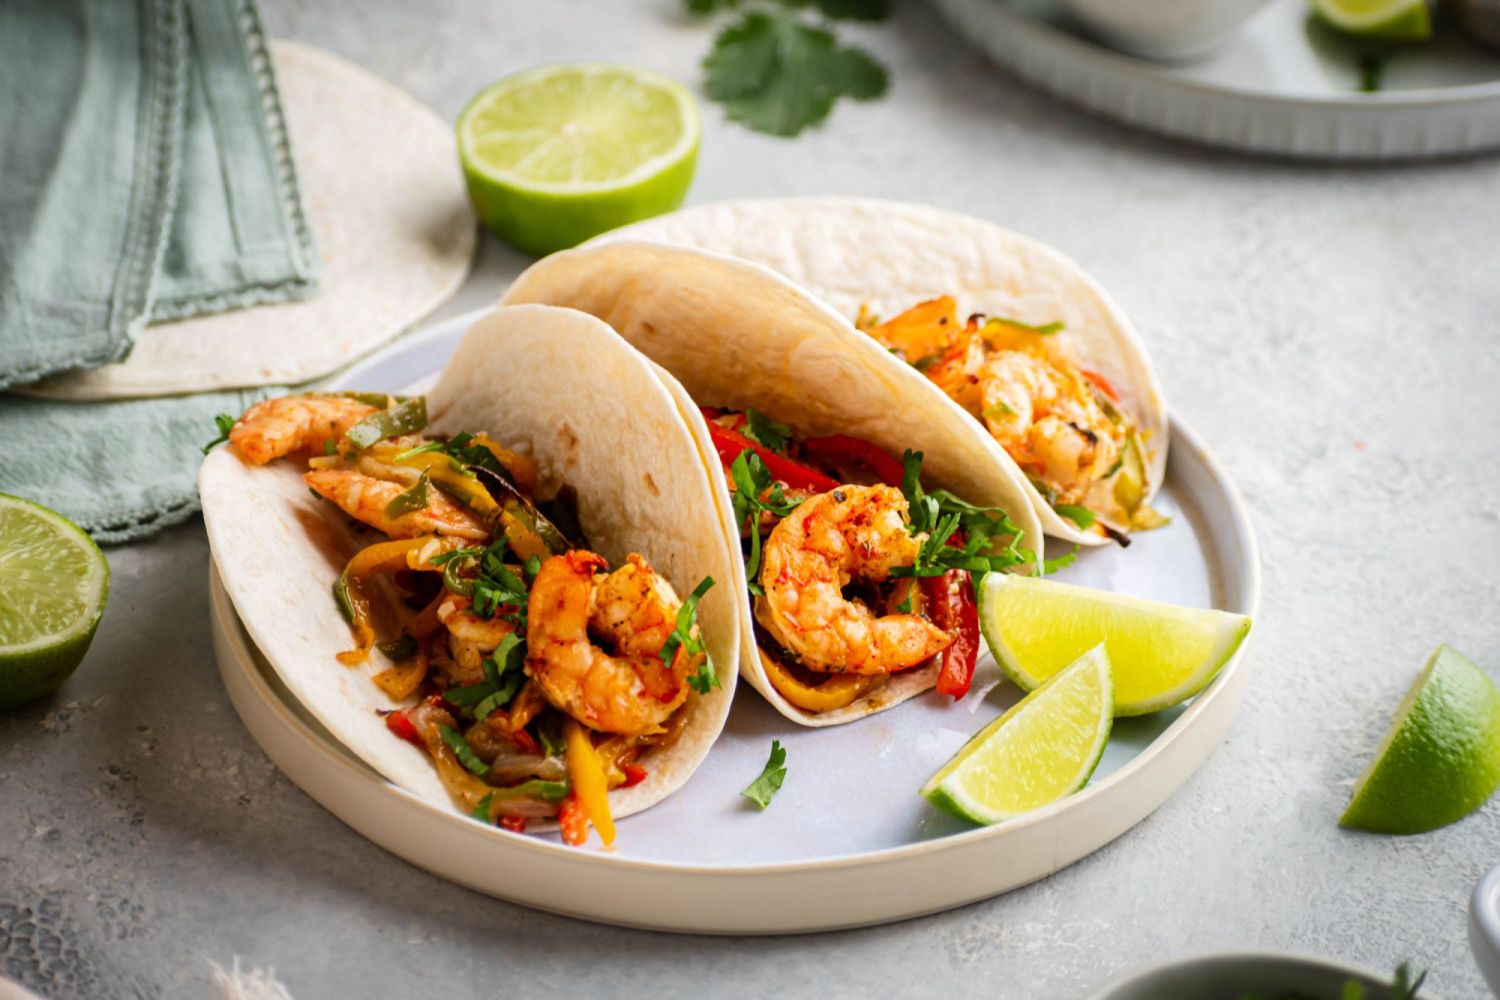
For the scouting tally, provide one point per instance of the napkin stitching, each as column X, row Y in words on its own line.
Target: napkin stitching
column 296, row 287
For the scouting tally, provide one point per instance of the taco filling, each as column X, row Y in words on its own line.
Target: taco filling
column 1064, row 425
column 856, row 573
column 536, row 676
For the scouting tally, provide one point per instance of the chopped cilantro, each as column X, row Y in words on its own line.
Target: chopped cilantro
column 504, row 673
column 1050, row 566
column 549, row 731
column 761, row 790
column 407, row 501
column 495, row 585
column 462, row 449
column 1079, row 515
column 330, row 447
column 704, row 679
column 482, row 811
column 225, row 423
column 991, row 540
column 418, row 450
column 465, row 753
column 751, row 480
column 778, row 74
column 999, row 408
column 766, row 432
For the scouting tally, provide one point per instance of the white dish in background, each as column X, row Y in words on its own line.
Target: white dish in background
column 1283, row 84
column 1163, row 29
column 847, row 841
column 1484, row 928
column 1236, row 975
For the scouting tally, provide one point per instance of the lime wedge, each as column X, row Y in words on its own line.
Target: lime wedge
column 561, row 153
column 1441, row 759
column 1162, row 653
column 1044, row 748
column 1386, row 20
column 53, row 584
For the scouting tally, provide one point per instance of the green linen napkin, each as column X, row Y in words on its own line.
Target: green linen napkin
column 144, row 174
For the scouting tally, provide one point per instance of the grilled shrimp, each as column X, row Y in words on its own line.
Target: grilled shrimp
column 470, row 637
column 851, row 533
column 276, row 427
column 1049, row 421
column 365, row 498
column 632, row 610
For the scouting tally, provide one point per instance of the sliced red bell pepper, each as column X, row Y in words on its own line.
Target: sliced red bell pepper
column 1102, row 382
column 515, row 824
column 400, row 723
column 729, row 443
column 573, row 820
column 841, row 449
column 950, row 603
column 634, row 774
column 525, row 742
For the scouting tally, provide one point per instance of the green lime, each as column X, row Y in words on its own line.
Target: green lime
column 53, row 584
column 1441, row 759
column 561, row 153
column 1162, row 653
column 1044, row 748
column 1384, row 20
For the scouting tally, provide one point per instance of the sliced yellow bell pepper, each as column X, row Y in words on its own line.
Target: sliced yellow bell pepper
column 521, row 468
column 524, row 542
column 836, row 692
column 589, row 781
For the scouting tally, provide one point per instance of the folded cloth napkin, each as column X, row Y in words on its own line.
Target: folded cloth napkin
column 144, row 174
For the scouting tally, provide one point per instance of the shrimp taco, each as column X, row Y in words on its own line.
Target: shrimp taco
column 1019, row 336
column 500, row 596
column 863, row 500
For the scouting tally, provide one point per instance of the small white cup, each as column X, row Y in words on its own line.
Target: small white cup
column 1168, row 30
column 1484, row 928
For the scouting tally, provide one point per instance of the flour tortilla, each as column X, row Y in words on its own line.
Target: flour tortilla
column 385, row 198
column 547, row 382
column 735, row 334
column 890, row 255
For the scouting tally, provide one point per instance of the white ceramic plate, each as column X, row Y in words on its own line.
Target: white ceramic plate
column 847, row 841
column 1281, row 85
column 1484, row 928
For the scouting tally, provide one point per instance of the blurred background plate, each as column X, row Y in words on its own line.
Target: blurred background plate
column 847, row 841
column 1283, row 84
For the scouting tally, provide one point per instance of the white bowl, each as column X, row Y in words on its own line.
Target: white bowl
column 1233, row 975
column 1484, row 928
column 1163, row 29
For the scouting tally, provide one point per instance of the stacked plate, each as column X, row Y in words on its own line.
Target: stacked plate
column 848, row 841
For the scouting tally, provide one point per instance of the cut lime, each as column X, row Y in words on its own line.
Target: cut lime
column 1441, row 759
column 53, row 584
column 1162, row 653
column 561, row 153
column 1384, row 20
column 1044, row 748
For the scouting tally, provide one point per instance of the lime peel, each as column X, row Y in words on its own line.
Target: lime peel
column 1386, row 20
column 1440, row 759
column 1042, row 749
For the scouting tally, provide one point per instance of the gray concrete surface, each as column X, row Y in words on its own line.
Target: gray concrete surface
column 1331, row 331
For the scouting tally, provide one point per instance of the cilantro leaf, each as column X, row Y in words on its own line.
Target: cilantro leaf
column 225, row 423
column 778, row 75
column 482, row 811
column 771, row 776
column 991, row 541
column 465, row 753
column 764, row 431
column 1050, row 566
column 704, row 679
column 754, row 492
column 1079, row 515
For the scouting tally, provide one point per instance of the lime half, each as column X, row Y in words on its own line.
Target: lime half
column 53, row 584
column 1385, row 20
column 1441, row 759
column 561, row 153
column 1162, row 654
column 1044, row 748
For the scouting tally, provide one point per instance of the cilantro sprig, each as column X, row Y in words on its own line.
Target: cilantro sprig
column 704, row 679
column 225, row 423
column 778, row 71
column 504, row 674
column 766, row 432
column 992, row 541
column 768, row 783
column 496, row 584
column 755, row 492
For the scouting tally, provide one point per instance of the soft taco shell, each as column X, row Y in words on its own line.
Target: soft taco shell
column 548, row 382
column 890, row 255
column 736, row 334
